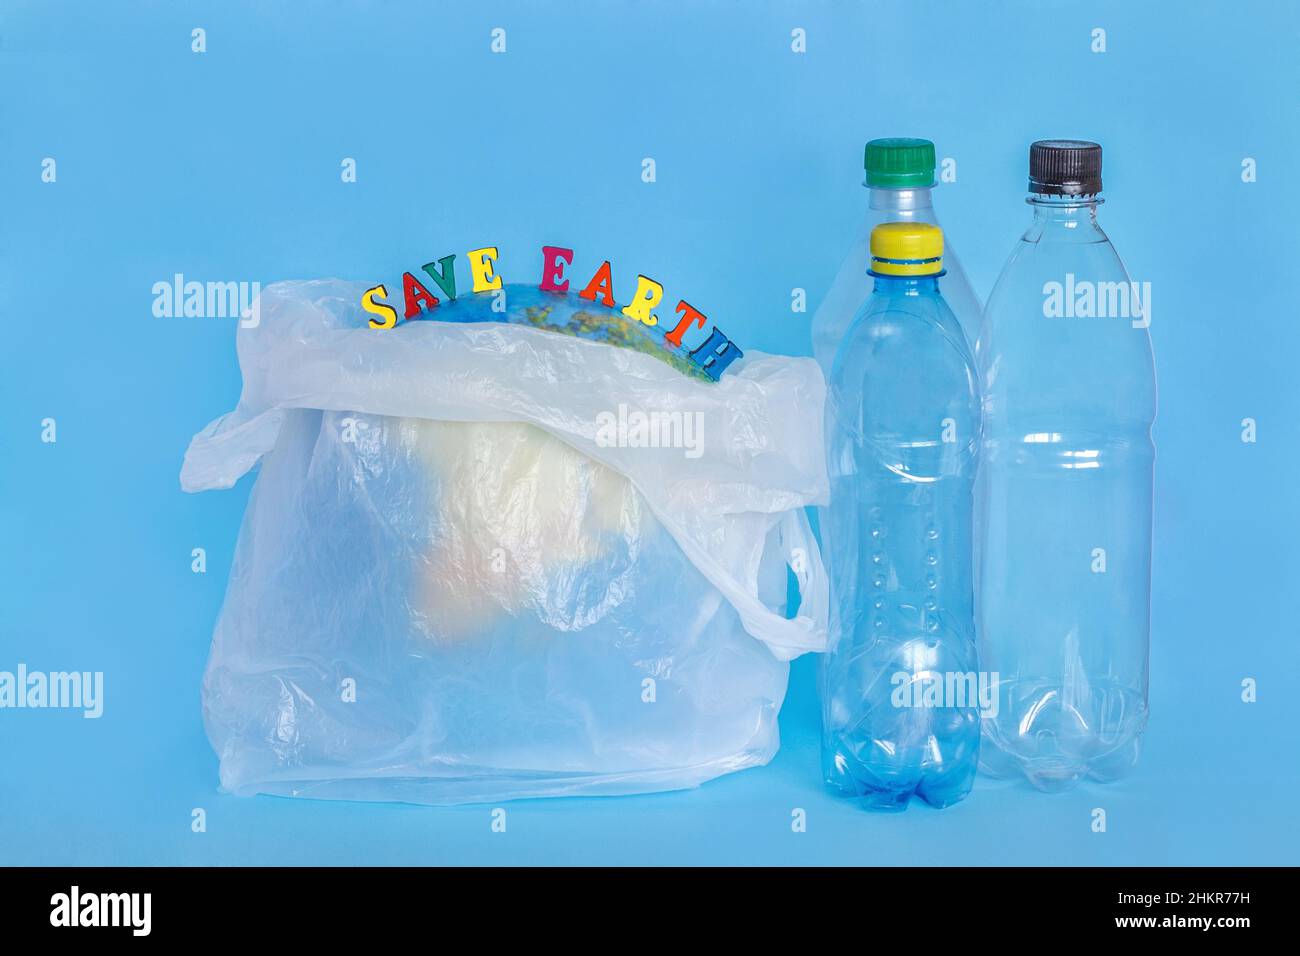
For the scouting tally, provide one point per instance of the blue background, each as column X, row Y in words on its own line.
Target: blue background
column 226, row 166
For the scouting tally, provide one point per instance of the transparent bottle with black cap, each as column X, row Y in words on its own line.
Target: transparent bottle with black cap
column 1064, row 492
column 899, row 181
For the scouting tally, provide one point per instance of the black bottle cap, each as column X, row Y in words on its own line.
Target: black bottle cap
column 1065, row 167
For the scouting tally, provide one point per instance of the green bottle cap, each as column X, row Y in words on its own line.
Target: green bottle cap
column 900, row 163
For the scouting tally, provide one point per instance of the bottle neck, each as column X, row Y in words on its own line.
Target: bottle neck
column 906, row 201
column 1065, row 212
column 906, row 285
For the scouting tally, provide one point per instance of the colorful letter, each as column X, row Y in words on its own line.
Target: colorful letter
column 445, row 277
column 719, row 352
column 379, row 308
column 602, row 284
column 415, row 294
column 690, row 316
column 648, row 294
column 480, row 267
column 552, row 271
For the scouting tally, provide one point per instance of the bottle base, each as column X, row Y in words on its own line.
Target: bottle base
column 937, row 790
column 1059, row 774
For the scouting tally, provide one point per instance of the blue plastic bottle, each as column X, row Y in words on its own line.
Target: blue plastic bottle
column 899, row 685
column 1065, row 489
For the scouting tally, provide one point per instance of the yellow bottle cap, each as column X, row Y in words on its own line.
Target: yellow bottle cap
column 907, row 249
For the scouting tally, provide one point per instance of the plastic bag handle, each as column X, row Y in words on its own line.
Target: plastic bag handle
column 814, row 581
column 787, row 638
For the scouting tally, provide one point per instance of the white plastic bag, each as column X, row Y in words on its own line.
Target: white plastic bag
column 451, row 586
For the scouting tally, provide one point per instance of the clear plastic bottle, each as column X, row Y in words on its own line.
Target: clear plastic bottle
column 1065, row 489
column 900, row 710
column 899, row 180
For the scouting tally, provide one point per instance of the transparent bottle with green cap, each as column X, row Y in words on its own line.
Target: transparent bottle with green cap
column 900, row 691
column 900, row 181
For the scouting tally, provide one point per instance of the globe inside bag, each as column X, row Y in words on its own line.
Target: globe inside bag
column 462, row 576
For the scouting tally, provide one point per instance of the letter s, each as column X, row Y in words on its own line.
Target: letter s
column 383, row 309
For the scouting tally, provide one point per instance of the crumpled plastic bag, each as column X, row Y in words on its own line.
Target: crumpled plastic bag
column 448, row 588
